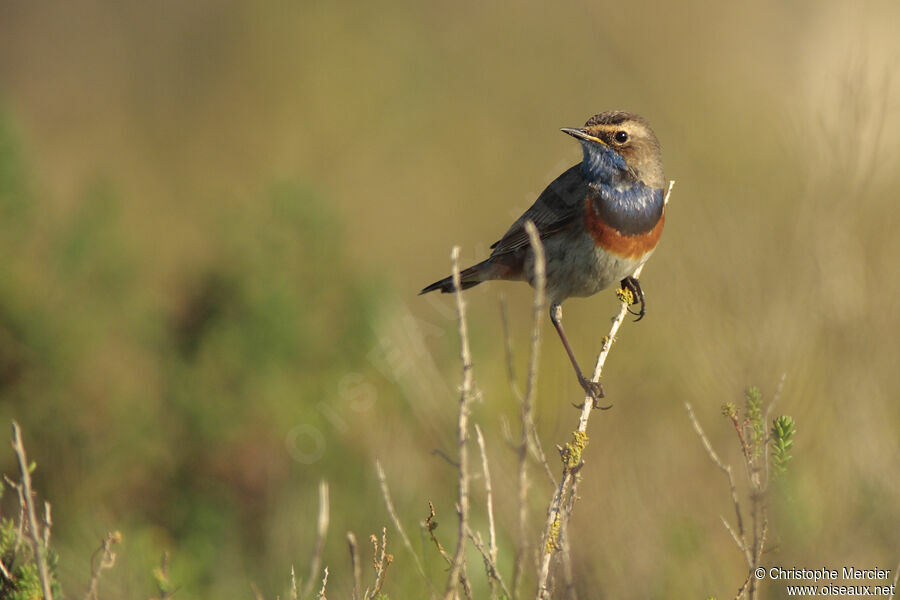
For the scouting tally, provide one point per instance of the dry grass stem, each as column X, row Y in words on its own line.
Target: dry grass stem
column 489, row 495
column 321, row 594
column 295, row 594
column 107, row 560
column 48, row 524
column 354, row 564
column 535, row 446
column 539, row 282
column 462, row 435
column 321, row 533
column 386, row 494
column 430, row 526
column 40, row 558
column 737, row 536
column 493, row 572
column 381, row 560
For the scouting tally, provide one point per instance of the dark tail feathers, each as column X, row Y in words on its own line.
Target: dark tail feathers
column 467, row 278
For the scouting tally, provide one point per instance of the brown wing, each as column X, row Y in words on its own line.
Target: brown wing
column 555, row 209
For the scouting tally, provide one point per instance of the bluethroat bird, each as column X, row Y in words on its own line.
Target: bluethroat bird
column 599, row 221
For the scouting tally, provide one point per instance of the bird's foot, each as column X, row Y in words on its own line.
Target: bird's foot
column 595, row 391
column 633, row 286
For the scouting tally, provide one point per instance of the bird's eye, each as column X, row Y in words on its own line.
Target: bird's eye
column 621, row 136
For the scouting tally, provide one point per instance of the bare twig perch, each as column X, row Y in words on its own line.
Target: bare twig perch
column 559, row 509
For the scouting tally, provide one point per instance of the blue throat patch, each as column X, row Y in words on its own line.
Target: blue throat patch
column 602, row 164
column 632, row 210
column 620, row 200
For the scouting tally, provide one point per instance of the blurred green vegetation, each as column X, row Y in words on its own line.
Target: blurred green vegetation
column 187, row 439
column 214, row 217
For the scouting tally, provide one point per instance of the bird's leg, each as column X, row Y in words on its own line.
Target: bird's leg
column 634, row 286
column 593, row 388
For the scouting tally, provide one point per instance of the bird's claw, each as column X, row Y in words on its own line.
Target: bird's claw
column 595, row 391
column 634, row 287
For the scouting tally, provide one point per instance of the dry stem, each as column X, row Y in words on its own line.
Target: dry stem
column 33, row 533
column 539, row 282
column 386, row 494
column 321, row 532
column 457, row 568
column 737, row 536
column 559, row 510
column 489, row 503
column 107, row 561
column 555, row 513
column 354, row 564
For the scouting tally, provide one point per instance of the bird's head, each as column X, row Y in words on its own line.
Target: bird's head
column 620, row 149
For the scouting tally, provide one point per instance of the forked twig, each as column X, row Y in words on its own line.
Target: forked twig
column 107, row 559
column 737, row 536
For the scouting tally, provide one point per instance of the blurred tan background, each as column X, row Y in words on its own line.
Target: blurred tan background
column 216, row 216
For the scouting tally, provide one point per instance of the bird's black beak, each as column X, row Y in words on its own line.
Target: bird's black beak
column 581, row 134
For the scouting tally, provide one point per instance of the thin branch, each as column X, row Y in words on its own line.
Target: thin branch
column 540, row 302
column 739, row 536
column 48, row 524
column 380, row 562
column 536, row 447
column 738, row 541
column 539, row 281
column 321, row 533
column 430, row 526
column 743, row 589
column 386, row 494
column 491, row 564
column 107, row 561
column 489, row 495
column 564, row 494
column 465, row 398
column 321, row 593
column 39, row 551
column 552, row 524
